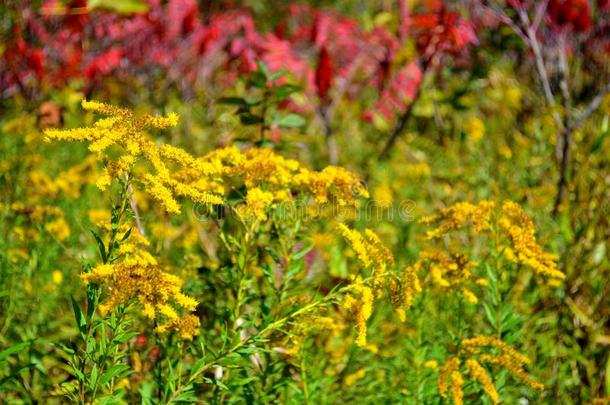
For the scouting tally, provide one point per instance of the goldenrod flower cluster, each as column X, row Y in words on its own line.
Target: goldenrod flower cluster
column 525, row 250
column 138, row 275
column 459, row 216
column 120, row 141
column 369, row 249
column 270, row 179
column 475, row 352
column 167, row 172
column 359, row 302
column 403, row 290
column 508, row 222
column 374, row 255
column 451, row 272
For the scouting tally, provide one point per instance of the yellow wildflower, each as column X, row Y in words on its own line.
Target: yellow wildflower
column 460, row 215
column 515, row 228
column 451, row 365
column 475, row 129
column 358, row 243
column 350, row 379
column 478, row 373
column 137, row 275
column 359, row 301
column 525, row 249
column 57, row 277
column 457, row 383
column 257, row 204
column 431, row 364
column 383, row 195
column 59, row 228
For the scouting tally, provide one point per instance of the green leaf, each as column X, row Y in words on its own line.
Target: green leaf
column 301, row 253
column 120, row 370
column 289, row 121
column 277, row 75
column 81, row 322
column 16, row 348
column 232, row 101
column 119, row 6
column 250, row 119
column 261, row 67
column 94, row 374
column 284, row 91
column 126, row 236
column 490, row 313
column 100, row 246
column 64, row 348
column 15, row 373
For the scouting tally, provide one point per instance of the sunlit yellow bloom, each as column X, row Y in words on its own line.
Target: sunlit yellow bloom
column 359, row 301
column 383, row 195
column 478, row 373
column 57, row 277
column 137, row 275
column 525, row 249
column 257, row 204
column 357, row 242
column 431, row 364
column 350, row 379
column 510, row 223
column 455, row 388
column 452, row 364
column 475, row 129
column 59, row 228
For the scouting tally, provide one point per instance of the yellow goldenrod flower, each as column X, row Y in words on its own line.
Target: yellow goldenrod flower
column 57, row 277
column 383, row 195
column 451, row 365
column 350, row 379
column 431, row 364
column 460, row 215
column 59, row 229
column 515, row 228
column 358, row 243
column 478, row 373
column 137, row 275
column 525, row 249
column 475, row 129
column 457, row 383
column 359, row 301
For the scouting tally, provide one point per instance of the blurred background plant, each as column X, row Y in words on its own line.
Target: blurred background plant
column 431, row 102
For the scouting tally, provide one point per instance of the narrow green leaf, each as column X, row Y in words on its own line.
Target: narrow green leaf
column 14, row 349
column 119, row 370
column 81, row 322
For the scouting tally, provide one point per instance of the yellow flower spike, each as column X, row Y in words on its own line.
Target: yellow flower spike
column 479, row 374
column 515, row 228
column 457, row 383
column 411, row 285
column 359, row 301
column 358, row 243
column 59, row 228
column 382, row 255
column 451, row 365
column 469, row 296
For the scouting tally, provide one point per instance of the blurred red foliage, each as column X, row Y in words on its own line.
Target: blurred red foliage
column 329, row 54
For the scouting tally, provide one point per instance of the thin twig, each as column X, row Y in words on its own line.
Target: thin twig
column 591, row 107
